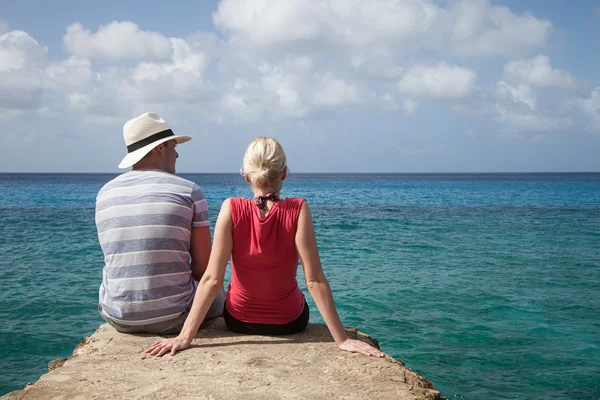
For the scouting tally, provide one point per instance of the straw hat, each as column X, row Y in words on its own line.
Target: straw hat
column 144, row 133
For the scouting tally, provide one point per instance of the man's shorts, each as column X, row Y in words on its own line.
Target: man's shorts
column 172, row 326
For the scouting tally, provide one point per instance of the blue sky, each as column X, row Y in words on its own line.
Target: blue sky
column 346, row 86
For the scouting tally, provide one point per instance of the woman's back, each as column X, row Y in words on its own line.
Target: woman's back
column 264, row 260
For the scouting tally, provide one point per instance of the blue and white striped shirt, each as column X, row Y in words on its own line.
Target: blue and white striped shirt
column 144, row 220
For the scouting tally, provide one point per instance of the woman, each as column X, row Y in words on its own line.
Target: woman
column 265, row 238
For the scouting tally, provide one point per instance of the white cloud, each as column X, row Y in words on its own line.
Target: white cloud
column 20, row 91
column 466, row 27
column 299, row 64
column 10, row 113
column 241, row 107
column 591, row 107
column 441, row 81
column 184, row 59
column 18, row 50
column 79, row 101
column 410, row 106
column 113, row 92
column 290, row 102
column 267, row 22
column 537, row 71
column 334, row 92
column 21, row 74
column 478, row 28
column 388, row 102
column 70, row 75
column 288, row 60
column 527, row 122
column 117, row 41
column 181, row 79
column 102, row 120
column 519, row 93
column 289, row 90
column 3, row 26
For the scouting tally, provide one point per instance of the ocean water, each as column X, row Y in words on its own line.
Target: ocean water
column 487, row 284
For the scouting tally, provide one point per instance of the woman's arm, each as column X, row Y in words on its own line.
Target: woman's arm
column 316, row 282
column 208, row 287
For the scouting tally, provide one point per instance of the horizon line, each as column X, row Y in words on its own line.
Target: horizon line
column 324, row 173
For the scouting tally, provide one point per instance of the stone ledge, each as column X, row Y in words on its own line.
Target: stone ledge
column 224, row 365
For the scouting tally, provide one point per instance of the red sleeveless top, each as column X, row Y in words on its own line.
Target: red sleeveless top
column 264, row 261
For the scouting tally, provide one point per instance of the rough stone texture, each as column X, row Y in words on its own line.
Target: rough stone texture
column 224, row 365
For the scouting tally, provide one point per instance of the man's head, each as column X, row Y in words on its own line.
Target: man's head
column 162, row 157
column 150, row 143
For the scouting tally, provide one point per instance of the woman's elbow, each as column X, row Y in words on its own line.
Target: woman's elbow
column 315, row 283
column 212, row 283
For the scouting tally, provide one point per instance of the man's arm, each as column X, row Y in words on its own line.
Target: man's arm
column 200, row 250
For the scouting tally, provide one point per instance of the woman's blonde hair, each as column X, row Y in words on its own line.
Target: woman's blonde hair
column 264, row 160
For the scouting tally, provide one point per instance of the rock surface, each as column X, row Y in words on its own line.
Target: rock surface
column 224, row 365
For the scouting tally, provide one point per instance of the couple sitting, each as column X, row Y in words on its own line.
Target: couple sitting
column 151, row 223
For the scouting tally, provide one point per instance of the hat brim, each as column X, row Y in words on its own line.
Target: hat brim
column 135, row 156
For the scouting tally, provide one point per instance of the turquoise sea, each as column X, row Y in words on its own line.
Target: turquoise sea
column 487, row 284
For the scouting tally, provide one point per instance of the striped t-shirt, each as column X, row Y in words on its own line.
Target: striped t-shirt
column 144, row 220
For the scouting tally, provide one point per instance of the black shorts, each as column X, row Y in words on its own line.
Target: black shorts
column 248, row 328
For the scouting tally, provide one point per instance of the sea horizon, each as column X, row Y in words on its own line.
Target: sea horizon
column 331, row 173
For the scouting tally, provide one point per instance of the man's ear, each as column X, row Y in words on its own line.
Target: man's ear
column 160, row 148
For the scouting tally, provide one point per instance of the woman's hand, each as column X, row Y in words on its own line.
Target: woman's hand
column 356, row 346
column 164, row 346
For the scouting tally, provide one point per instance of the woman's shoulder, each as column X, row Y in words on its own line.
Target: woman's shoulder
column 294, row 203
column 294, row 200
column 239, row 200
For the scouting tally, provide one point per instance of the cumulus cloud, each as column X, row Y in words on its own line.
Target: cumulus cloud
column 113, row 92
column 184, row 59
column 520, row 93
column 591, row 107
column 528, row 122
column 537, row 71
column 117, row 41
column 20, row 91
column 410, row 106
column 242, row 106
column 286, row 85
column 388, row 102
column 180, row 79
column 297, row 59
column 70, row 75
column 21, row 75
column 466, row 27
column 333, row 92
column 441, row 81
column 291, row 90
column 478, row 28
column 19, row 51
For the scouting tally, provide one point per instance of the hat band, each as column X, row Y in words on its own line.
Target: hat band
column 150, row 139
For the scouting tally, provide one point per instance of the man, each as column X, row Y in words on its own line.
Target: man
column 150, row 223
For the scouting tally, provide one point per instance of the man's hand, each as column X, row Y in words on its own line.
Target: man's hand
column 162, row 347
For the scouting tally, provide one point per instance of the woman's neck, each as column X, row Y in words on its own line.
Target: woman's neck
column 263, row 191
